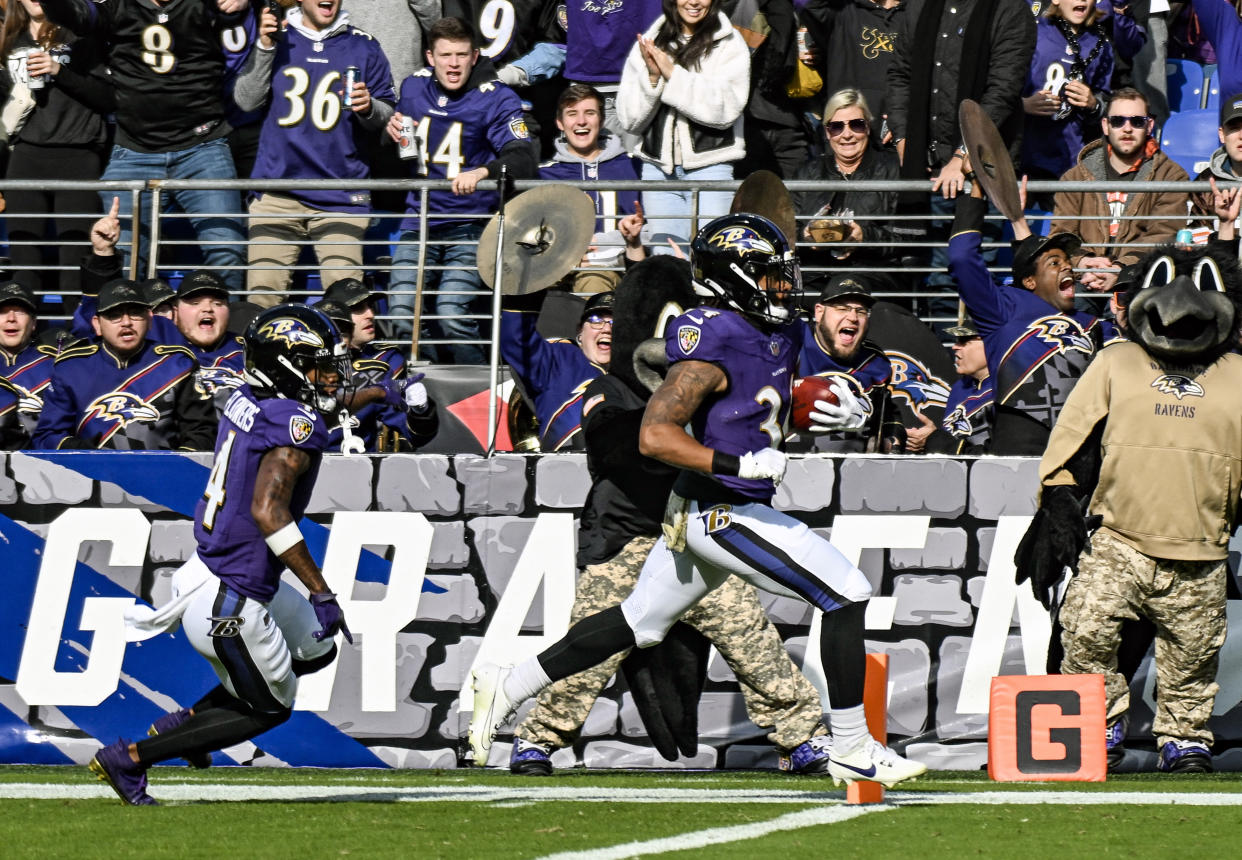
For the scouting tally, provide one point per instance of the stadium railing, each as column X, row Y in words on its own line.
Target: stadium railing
column 173, row 245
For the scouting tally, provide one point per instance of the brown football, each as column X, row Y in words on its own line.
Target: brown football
column 806, row 391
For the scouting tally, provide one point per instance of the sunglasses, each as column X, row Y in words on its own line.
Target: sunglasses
column 1134, row 121
column 836, row 126
column 843, row 308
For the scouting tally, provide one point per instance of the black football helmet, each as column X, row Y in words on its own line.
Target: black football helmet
column 284, row 344
column 744, row 261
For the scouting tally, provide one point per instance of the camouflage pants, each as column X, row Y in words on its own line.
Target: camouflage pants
column 778, row 696
column 1186, row 602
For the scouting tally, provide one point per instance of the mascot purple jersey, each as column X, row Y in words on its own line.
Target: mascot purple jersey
column 751, row 414
column 229, row 540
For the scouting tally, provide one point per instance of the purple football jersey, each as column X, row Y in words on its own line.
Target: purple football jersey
column 753, row 413
column 458, row 132
column 229, row 540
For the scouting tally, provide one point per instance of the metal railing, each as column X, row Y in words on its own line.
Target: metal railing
column 907, row 264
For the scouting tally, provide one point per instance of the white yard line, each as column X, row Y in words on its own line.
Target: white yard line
column 721, row 835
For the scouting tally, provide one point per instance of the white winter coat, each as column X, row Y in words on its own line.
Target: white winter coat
column 695, row 117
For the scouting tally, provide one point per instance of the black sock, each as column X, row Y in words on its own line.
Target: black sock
column 844, row 654
column 588, row 643
column 210, row 729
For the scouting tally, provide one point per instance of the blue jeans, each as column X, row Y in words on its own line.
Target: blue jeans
column 668, row 212
column 454, row 290
column 219, row 230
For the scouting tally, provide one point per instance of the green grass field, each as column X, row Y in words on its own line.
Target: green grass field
column 302, row 813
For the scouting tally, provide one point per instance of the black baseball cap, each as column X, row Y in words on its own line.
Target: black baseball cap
column 1230, row 109
column 839, row 286
column 12, row 292
column 338, row 313
column 349, row 292
column 599, row 304
column 157, row 291
column 115, row 294
column 202, row 281
column 1026, row 252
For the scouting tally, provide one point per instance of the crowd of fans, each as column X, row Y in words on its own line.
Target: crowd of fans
column 462, row 90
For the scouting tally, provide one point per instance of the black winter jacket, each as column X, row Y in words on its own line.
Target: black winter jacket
column 1009, row 53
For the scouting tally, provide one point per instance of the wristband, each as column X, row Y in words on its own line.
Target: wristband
column 725, row 464
column 284, row 539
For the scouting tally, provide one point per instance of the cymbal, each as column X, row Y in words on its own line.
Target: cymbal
column 763, row 193
column 547, row 230
column 989, row 158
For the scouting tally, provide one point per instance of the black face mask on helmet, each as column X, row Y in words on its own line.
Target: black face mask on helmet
column 284, row 344
column 744, row 262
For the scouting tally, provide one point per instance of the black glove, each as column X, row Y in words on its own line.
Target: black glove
column 1053, row 542
column 331, row 618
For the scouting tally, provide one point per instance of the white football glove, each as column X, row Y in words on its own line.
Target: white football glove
column 416, row 396
column 849, row 414
column 767, row 463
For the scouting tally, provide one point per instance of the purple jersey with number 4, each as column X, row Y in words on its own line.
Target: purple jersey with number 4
column 229, row 540
column 751, row 414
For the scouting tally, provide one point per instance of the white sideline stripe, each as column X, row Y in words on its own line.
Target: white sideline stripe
column 346, row 792
column 721, row 835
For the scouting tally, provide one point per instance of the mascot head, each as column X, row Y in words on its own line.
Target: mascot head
column 1184, row 307
column 650, row 296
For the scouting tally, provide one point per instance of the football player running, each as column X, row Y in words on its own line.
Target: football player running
column 730, row 380
column 257, row 632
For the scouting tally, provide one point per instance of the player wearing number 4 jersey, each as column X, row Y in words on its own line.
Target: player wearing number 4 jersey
column 308, row 134
column 167, row 66
column 730, row 380
column 257, row 632
column 467, row 128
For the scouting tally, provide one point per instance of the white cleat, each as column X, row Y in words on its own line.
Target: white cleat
column 873, row 762
column 491, row 708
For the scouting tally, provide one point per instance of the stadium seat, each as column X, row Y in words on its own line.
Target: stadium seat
column 1212, row 85
column 1186, row 80
column 1189, row 138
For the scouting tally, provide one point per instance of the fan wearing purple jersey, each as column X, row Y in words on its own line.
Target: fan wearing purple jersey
column 468, row 127
column 730, row 379
column 308, row 134
column 257, row 632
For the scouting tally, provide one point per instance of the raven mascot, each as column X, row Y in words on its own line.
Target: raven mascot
column 1139, row 489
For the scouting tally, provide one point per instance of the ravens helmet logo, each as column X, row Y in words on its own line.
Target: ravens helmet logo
column 742, row 239
column 291, row 331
